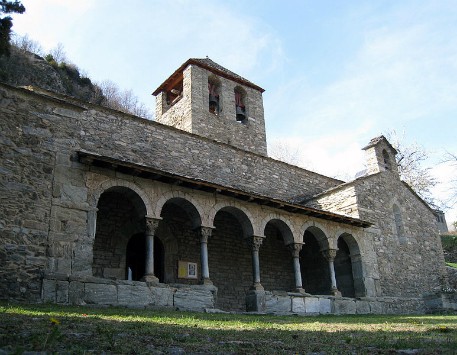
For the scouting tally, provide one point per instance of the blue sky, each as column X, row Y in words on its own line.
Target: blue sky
column 336, row 73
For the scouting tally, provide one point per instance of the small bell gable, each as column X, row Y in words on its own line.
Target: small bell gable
column 380, row 156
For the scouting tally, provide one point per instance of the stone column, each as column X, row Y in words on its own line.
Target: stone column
column 255, row 298
column 295, row 248
column 151, row 228
column 255, row 242
column 330, row 255
column 205, row 233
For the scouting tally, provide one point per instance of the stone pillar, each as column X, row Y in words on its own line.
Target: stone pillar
column 255, row 242
column 295, row 248
column 330, row 255
column 151, row 228
column 205, row 233
column 255, row 298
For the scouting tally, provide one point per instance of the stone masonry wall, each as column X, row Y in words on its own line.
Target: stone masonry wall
column 53, row 197
column 191, row 112
column 406, row 263
column 247, row 135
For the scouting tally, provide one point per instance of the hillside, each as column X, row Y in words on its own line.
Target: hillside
column 24, row 68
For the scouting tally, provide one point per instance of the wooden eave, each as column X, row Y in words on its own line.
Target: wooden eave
column 179, row 73
column 150, row 173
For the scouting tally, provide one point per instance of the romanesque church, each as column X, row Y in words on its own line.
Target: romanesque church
column 189, row 212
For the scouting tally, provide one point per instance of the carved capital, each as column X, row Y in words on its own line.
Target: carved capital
column 295, row 248
column 204, row 233
column 151, row 225
column 329, row 254
column 255, row 242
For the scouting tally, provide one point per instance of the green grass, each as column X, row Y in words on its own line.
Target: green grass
column 452, row 264
column 65, row 329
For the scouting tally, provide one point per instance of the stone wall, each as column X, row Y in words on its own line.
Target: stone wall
column 191, row 112
column 48, row 218
column 409, row 258
column 99, row 291
column 278, row 303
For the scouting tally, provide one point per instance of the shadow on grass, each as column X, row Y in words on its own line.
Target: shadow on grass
column 54, row 328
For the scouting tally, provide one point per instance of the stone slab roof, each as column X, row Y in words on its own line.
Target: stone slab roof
column 377, row 140
column 213, row 67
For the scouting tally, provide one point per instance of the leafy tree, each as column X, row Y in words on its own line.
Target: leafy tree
column 7, row 7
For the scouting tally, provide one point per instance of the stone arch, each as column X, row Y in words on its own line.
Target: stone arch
column 287, row 230
column 177, row 231
column 276, row 258
column 349, row 268
column 214, row 94
column 183, row 200
column 242, row 214
column 230, row 255
column 241, row 108
column 320, row 233
column 121, row 215
column 316, row 278
column 107, row 184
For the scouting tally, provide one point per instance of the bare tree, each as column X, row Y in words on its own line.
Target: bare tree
column 58, row 53
column 410, row 161
column 281, row 150
column 26, row 44
column 451, row 158
column 122, row 100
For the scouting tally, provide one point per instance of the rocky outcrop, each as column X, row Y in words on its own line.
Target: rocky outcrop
column 23, row 68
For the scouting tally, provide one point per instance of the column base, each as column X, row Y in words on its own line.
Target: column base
column 336, row 293
column 206, row 281
column 256, row 287
column 150, row 279
column 255, row 301
column 302, row 291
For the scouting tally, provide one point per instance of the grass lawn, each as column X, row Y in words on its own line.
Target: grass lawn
column 69, row 329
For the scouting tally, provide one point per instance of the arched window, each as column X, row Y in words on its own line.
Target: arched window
column 240, row 104
column 399, row 224
column 387, row 162
column 214, row 91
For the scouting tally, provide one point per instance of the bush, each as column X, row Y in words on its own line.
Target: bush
column 449, row 241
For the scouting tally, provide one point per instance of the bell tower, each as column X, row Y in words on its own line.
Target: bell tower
column 380, row 156
column 204, row 98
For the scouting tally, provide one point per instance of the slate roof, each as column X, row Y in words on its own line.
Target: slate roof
column 376, row 140
column 207, row 63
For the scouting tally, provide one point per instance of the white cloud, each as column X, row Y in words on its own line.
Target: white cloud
column 403, row 76
column 49, row 21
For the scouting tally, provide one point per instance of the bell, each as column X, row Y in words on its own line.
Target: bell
column 240, row 113
column 213, row 102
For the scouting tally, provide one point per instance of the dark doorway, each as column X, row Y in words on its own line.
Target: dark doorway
column 314, row 267
column 343, row 270
column 136, row 257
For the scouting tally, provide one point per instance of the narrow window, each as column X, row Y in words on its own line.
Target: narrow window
column 387, row 163
column 240, row 104
column 399, row 224
column 214, row 89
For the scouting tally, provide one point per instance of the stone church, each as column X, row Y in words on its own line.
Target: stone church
column 188, row 211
